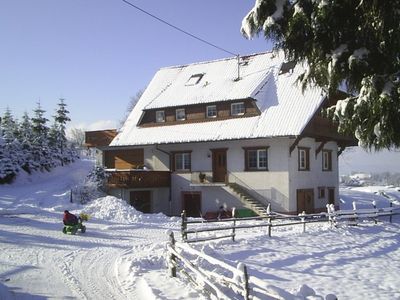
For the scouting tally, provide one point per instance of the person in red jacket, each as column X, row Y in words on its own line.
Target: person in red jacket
column 70, row 219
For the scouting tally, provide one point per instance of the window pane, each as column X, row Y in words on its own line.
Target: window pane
column 180, row 114
column 182, row 161
column 302, row 159
column 160, row 117
column 326, row 160
column 262, row 159
column 178, row 161
column 186, row 161
column 211, row 111
column 237, row 108
column 252, row 159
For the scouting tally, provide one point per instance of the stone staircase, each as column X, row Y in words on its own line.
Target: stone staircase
column 248, row 200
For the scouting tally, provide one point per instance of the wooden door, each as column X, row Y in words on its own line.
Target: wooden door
column 219, row 165
column 192, row 204
column 305, row 201
column 141, row 200
column 331, row 196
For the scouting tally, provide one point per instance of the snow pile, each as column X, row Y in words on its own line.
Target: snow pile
column 110, row 208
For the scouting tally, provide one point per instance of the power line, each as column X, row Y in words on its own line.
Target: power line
column 177, row 28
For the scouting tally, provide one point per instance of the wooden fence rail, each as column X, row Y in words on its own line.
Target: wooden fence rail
column 351, row 217
column 240, row 285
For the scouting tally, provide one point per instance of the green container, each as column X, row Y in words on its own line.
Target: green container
column 244, row 212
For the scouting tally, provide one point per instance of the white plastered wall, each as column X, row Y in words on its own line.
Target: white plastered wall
column 315, row 177
column 270, row 186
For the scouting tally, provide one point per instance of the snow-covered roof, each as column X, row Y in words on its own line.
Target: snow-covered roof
column 210, row 81
column 285, row 109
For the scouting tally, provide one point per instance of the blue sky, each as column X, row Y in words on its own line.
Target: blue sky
column 98, row 53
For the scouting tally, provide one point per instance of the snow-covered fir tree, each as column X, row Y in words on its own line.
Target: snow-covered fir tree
column 31, row 146
column 343, row 42
column 41, row 153
column 60, row 120
column 26, row 137
column 9, row 148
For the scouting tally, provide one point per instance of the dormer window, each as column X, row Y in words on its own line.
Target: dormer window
column 160, row 116
column 194, row 79
column 180, row 114
column 237, row 109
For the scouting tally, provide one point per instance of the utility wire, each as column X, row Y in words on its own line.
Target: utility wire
column 177, row 28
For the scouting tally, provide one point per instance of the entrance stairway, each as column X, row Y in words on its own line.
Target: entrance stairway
column 248, row 200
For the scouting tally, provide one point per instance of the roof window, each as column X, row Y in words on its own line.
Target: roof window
column 194, row 79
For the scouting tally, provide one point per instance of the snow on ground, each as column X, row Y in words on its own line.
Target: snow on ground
column 122, row 254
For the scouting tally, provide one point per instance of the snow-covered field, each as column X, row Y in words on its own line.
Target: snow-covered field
column 122, row 254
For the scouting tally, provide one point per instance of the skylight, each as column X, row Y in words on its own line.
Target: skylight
column 194, row 79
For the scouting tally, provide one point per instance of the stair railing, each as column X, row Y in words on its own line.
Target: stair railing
column 232, row 178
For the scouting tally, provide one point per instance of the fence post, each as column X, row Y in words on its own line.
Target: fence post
column 355, row 212
column 269, row 219
column 376, row 212
column 269, row 227
column 303, row 220
column 391, row 212
column 246, row 283
column 328, row 210
column 233, row 230
column 172, row 257
column 184, row 226
column 70, row 195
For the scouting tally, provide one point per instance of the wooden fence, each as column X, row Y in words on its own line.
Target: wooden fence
column 239, row 285
column 231, row 225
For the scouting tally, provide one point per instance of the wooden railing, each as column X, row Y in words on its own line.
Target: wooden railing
column 138, row 179
column 218, row 279
column 205, row 230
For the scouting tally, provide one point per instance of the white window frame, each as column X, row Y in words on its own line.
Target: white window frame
column 160, row 116
column 212, row 108
column 304, row 165
column 178, row 112
column 326, row 160
column 185, row 160
column 238, row 112
column 258, row 152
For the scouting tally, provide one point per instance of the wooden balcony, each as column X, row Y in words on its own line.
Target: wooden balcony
column 138, row 179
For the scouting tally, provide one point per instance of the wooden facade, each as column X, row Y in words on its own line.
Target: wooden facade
column 139, row 179
column 323, row 129
column 99, row 138
column 197, row 113
column 124, row 159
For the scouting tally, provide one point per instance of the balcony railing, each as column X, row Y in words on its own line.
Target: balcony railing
column 139, row 179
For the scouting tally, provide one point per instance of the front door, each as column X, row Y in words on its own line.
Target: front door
column 219, row 165
column 192, row 204
column 141, row 200
column 305, row 201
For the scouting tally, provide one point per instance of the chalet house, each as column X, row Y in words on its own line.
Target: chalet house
column 231, row 132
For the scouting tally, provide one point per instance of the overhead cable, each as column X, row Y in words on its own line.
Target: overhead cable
column 177, row 28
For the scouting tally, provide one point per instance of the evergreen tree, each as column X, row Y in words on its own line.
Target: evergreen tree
column 8, row 126
column 25, row 138
column 40, row 148
column 39, row 127
column 58, row 134
column 61, row 118
column 351, row 42
column 9, row 148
